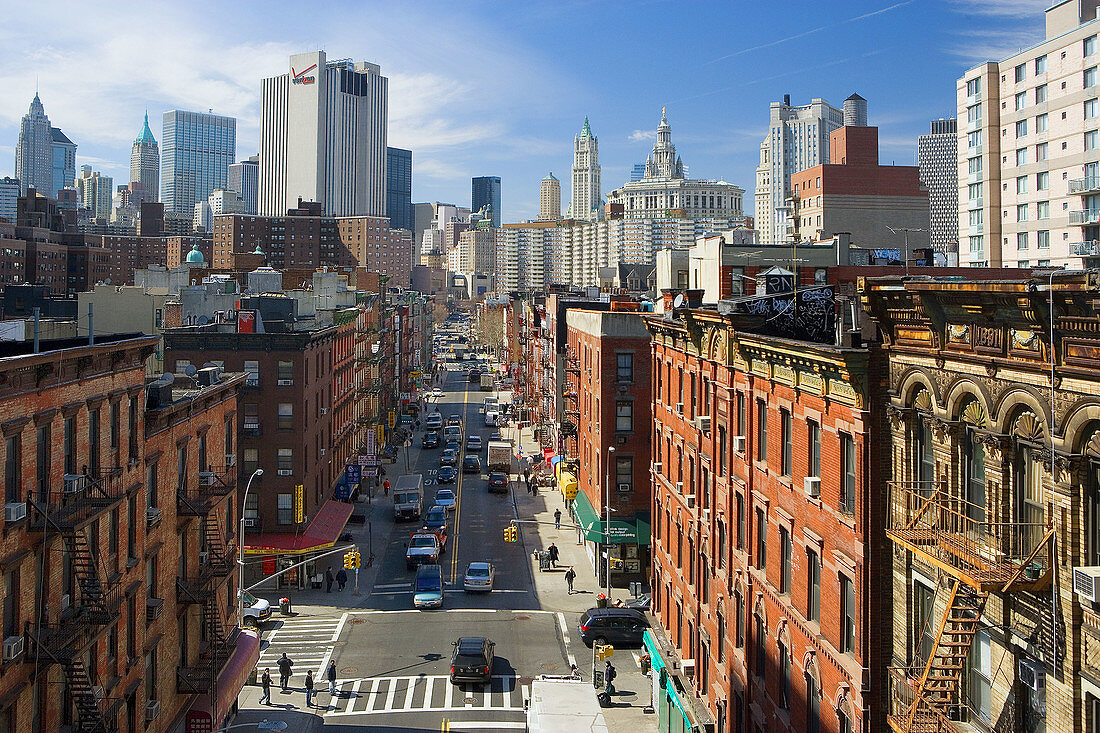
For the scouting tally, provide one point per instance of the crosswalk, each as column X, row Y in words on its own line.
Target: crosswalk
column 308, row 641
column 421, row 694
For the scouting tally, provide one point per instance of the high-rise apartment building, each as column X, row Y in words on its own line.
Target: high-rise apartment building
column 44, row 157
column 96, row 192
column 549, row 198
column 399, row 170
column 938, row 159
column 198, row 150
column 1029, row 149
column 244, row 178
column 144, row 167
column 323, row 137
column 798, row 138
column 586, row 195
column 485, row 191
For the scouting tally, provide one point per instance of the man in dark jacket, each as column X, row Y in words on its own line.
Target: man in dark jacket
column 284, row 663
column 309, row 688
column 329, row 577
column 553, row 550
column 265, row 682
column 342, row 578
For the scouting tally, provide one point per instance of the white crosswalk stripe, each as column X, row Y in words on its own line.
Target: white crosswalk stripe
column 306, row 640
column 435, row 694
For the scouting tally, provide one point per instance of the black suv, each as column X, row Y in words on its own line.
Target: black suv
column 472, row 660
column 498, row 483
column 431, row 439
column 471, row 464
column 616, row 626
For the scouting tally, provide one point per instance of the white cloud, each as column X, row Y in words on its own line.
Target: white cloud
column 641, row 136
column 1029, row 9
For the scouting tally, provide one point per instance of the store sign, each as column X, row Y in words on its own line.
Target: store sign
column 299, row 504
column 352, row 472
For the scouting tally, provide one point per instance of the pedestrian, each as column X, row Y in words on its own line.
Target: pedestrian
column 557, row 519
column 570, row 574
column 342, row 578
column 574, row 672
column 265, row 682
column 284, row 664
column 609, row 678
column 329, row 577
column 309, row 688
column 527, row 475
column 553, row 549
column 330, row 674
column 527, row 481
column 386, row 487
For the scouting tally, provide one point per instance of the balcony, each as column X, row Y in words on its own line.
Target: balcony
column 203, row 492
column 1086, row 249
column 77, row 499
column 1086, row 185
column 1085, row 217
column 194, row 589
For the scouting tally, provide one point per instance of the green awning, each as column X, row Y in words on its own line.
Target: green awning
column 622, row 531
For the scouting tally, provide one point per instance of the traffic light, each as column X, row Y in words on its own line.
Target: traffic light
column 604, row 651
column 349, row 560
column 357, row 559
column 510, row 533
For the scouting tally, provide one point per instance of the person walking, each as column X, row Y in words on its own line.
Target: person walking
column 309, row 688
column 284, row 664
column 265, row 682
column 557, row 519
column 342, row 578
column 330, row 674
column 329, row 577
column 570, row 575
column 386, row 487
column 553, row 549
column 609, row 678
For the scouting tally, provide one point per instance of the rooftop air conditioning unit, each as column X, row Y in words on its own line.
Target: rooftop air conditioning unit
column 739, row 443
column 14, row 511
column 13, row 648
column 152, row 710
column 702, row 422
column 1032, row 674
column 286, row 472
column 75, row 483
column 230, row 459
column 286, row 382
column 206, row 478
column 1086, row 582
column 812, row 484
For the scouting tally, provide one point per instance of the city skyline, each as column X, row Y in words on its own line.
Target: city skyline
column 514, row 109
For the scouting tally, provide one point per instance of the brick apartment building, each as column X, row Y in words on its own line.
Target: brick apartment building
column 767, row 576
column 606, row 436
column 88, row 552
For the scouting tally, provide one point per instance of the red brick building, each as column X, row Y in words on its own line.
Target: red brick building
column 770, row 568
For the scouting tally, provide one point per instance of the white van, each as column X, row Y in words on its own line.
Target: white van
column 491, row 416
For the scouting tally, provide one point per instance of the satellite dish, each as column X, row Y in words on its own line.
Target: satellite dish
column 209, row 364
column 190, row 370
column 165, row 379
column 678, row 301
column 203, row 320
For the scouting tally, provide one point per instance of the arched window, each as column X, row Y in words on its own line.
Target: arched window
column 1027, row 480
column 973, row 463
column 813, row 701
column 1092, row 495
column 784, row 642
column 923, row 457
column 844, row 715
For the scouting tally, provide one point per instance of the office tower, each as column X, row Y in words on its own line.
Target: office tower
column 798, row 138
column 34, row 151
column 96, row 192
column 244, row 178
column 144, row 167
column 585, row 203
column 323, row 137
column 549, row 199
column 9, row 198
column 485, row 191
column 63, row 151
column 399, row 208
column 637, row 172
column 663, row 162
column 198, row 150
column 938, row 158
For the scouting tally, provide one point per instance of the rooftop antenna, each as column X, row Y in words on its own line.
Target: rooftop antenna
column 905, row 230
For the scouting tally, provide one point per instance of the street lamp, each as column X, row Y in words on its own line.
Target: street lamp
column 240, row 548
column 607, row 518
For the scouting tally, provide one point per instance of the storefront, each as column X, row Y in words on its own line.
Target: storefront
column 626, row 541
column 672, row 697
column 211, row 713
column 280, row 551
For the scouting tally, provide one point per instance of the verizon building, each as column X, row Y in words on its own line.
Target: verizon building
column 323, row 137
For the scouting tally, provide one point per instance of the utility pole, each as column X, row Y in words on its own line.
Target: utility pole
column 905, row 231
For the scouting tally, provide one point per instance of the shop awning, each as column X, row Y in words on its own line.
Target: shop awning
column 634, row 530
column 231, row 681
column 322, row 533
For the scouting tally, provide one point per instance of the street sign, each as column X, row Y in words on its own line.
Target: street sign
column 363, row 459
column 299, row 504
column 352, row 472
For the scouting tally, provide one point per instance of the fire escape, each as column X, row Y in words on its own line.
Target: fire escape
column 65, row 637
column 979, row 553
column 200, row 675
column 572, row 411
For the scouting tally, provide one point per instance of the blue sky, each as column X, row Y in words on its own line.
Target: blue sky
column 500, row 88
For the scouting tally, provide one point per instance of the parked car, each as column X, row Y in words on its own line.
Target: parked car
column 449, row 457
column 428, row 588
column 437, row 392
column 621, row 627
column 471, row 464
column 479, row 577
column 640, row 603
column 430, row 440
column 498, row 483
column 473, row 442
column 472, row 660
column 445, row 498
column 495, row 435
column 447, row 475
column 256, row 610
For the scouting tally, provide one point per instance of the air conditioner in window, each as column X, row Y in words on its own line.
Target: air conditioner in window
column 323, row 451
column 14, row 511
column 13, row 648
column 1086, row 583
column 624, row 488
column 657, row 466
column 324, row 410
column 286, row 472
column 702, row 422
column 680, row 408
column 152, row 710
column 1032, row 674
column 230, row 459
column 204, row 557
column 690, row 499
column 688, row 665
column 152, row 515
column 75, row 483
column 206, row 478
column 286, row 382
column 739, row 443
column 812, row 484
column 250, row 522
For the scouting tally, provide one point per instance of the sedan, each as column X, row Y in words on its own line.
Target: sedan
column 471, row 464
column 430, row 440
column 437, row 392
column 498, row 482
column 473, row 442
column 445, row 498
column 436, row 519
column 495, row 435
column 453, row 445
column 447, row 475
column 449, row 458
column 479, row 577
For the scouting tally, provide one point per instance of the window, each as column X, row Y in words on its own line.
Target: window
column 1041, row 65
column 286, row 416
column 981, row 668
column 721, row 636
column 741, row 519
column 923, row 630
column 975, row 217
column 1041, row 123
column 44, row 449
column 813, row 704
column 69, row 445
column 720, row 541
column 624, row 370
column 722, row 445
column 286, row 509
column 1041, row 94
column 252, row 373
column 93, row 440
column 1089, row 45
column 1040, row 152
column 741, row 414
column 624, row 474
column 847, row 474
column 1042, row 181
column 761, row 540
column 1021, row 156
column 739, row 619
column 813, row 440
column 785, row 549
column 760, row 635
column 1021, row 100
column 787, row 427
column 974, row 113
column 784, row 676
column 114, row 426
column 1021, row 240
column 847, row 615
column 1021, row 128
column 1042, row 238
column 761, row 430
column 1092, row 141
column 285, row 459
column 974, row 139
column 1092, row 108
column 1021, row 212
column 151, row 485
column 11, row 604
column 181, row 365
column 974, row 475
column 250, row 460
column 181, row 469
column 974, row 165
column 813, row 586
column 1090, row 77
column 973, row 87
column 286, row 372
column 624, row 416
column 1021, row 73
column 1021, row 184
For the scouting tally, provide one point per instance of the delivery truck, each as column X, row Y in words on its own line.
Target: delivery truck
column 499, row 456
column 563, row 705
column 408, row 496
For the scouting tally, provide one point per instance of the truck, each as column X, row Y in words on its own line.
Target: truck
column 563, row 705
column 487, row 382
column 491, row 415
column 408, row 496
column 423, row 549
column 499, row 456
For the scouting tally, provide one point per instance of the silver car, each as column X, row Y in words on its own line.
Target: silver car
column 479, row 577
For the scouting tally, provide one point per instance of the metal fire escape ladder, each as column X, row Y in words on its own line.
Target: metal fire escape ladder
column 90, row 717
column 218, row 559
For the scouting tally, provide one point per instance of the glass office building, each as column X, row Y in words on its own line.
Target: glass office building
column 196, row 152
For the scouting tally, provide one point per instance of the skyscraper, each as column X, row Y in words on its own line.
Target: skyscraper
column 244, row 178
column 323, row 137
column 64, row 161
column 399, row 208
column 9, row 198
column 549, row 199
column 798, row 138
column 485, row 191
column 34, row 151
column 96, row 192
column 585, row 203
column 198, row 150
column 938, row 158
column 144, row 167
column 663, row 162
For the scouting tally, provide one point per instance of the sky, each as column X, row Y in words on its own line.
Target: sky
column 483, row 87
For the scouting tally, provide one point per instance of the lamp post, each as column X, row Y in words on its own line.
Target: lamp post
column 607, row 519
column 240, row 548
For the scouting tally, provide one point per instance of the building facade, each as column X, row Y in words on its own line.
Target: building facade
column 938, row 159
column 586, row 203
column 9, row 198
column 399, row 171
column 549, row 198
column 95, row 192
column 485, row 192
column 63, row 151
column 144, row 167
column 244, row 178
column 198, row 150
column 323, row 137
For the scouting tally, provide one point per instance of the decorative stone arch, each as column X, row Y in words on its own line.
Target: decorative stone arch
column 783, row 637
column 912, row 381
column 1077, row 427
column 760, row 610
column 962, row 392
column 1008, row 406
column 842, row 702
column 809, row 667
column 1023, row 422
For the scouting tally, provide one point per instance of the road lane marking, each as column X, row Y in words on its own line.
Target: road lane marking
column 339, row 628
column 565, row 638
column 487, row 725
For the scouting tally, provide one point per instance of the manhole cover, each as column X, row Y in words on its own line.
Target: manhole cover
column 522, row 618
column 468, row 701
column 348, row 671
column 525, row 680
column 358, row 621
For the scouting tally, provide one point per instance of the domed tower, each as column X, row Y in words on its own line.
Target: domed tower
column 145, row 166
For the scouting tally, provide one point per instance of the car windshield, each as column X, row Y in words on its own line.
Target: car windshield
column 249, row 599
column 444, row 496
column 427, row 583
column 478, row 572
column 496, row 477
column 423, row 542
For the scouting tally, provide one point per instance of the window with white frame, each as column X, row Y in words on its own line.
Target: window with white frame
column 1021, row 212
